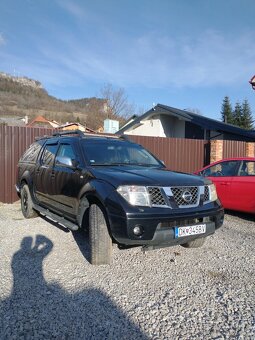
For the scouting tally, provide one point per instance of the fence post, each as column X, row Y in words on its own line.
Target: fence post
column 250, row 148
column 216, row 150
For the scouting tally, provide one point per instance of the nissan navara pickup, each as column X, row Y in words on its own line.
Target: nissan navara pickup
column 118, row 191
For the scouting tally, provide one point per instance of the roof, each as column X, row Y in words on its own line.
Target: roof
column 78, row 126
column 41, row 119
column 204, row 122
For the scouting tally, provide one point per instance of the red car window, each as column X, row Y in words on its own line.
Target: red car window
column 247, row 169
column 228, row 168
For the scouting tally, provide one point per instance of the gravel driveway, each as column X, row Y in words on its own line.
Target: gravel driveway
column 49, row 290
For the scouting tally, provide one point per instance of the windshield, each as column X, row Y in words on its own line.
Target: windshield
column 118, row 153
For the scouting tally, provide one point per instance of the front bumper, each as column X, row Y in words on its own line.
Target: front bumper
column 159, row 226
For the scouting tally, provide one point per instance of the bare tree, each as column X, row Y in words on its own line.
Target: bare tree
column 117, row 101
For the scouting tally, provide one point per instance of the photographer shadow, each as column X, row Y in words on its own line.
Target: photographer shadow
column 81, row 237
column 37, row 309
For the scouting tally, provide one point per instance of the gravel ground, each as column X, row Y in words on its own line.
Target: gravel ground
column 49, row 290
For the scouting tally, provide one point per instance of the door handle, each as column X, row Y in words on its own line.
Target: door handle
column 224, row 183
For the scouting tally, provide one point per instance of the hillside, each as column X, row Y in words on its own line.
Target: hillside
column 21, row 96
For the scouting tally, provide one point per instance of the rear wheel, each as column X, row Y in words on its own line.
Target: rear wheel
column 195, row 243
column 26, row 203
column 99, row 238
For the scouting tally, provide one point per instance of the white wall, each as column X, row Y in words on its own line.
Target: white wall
column 173, row 127
column 150, row 127
column 160, row 126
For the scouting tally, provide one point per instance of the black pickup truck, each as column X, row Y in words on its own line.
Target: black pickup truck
column 118, row 191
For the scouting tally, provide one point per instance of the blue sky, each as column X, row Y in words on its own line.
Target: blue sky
column 181, row 53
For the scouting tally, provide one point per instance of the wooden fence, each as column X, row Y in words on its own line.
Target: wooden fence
column 14, row 141
column 186, row 155
column 178, row 154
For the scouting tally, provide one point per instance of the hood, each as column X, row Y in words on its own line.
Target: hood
column 138, row 175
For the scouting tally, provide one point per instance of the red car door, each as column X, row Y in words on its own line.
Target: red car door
column 222, row 174
column 223, row 185
column 243, row 188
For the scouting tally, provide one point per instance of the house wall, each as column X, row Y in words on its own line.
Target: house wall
column 160, row 126
column 216, row 135
column 150, row 127
column 193, row 131
column 173, row 127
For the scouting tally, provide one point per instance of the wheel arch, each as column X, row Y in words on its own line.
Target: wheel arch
column 94, row 192
column 83, row 212
column 27, row 179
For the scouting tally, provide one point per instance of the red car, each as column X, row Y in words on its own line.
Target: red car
column 234, row 179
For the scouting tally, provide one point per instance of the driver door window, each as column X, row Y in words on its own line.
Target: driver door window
column 228, row 169
column 66, row 150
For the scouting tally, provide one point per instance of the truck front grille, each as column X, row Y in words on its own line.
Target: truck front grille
column 185, row 196
column 178, row 197
column 156, row 197
column 206, row 194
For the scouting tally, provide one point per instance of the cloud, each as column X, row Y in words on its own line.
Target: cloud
column 208, row 60
column 72, row 8
column 158, row 61
column 2, row 39
column 151, row 60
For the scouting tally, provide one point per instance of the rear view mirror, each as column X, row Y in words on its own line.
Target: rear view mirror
column 66, row 161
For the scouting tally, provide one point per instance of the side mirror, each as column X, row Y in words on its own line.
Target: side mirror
column 66, row 161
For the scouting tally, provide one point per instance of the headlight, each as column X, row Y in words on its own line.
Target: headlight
column 135, row 195
column 213, row 192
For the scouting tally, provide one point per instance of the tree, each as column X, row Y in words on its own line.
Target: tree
column 226, row 111
column 247, row 120
column 237, row 115
column 241, row 116
column 117, row 101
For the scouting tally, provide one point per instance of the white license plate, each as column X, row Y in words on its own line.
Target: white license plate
column 190, row 230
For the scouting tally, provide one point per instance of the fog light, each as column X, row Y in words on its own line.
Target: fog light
column 138, row 230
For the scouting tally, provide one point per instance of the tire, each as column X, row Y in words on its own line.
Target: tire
column 99, row 239
column 26, row 203
column 198, row 242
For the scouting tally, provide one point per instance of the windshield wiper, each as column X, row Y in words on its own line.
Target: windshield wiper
column 126, row 163
column 100, row 164
column 137, row 164
column 109, row 164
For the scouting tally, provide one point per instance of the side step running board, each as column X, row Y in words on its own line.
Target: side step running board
column 56, row 218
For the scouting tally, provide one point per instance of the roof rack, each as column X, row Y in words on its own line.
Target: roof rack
column 42, row 137
column 85, row 134
column 68, row 132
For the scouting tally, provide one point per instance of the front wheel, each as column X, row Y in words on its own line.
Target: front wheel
column 195, row 243
column 99, row 238
column 26, row 202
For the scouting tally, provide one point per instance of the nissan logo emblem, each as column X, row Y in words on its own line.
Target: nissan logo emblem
column 187, row 196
